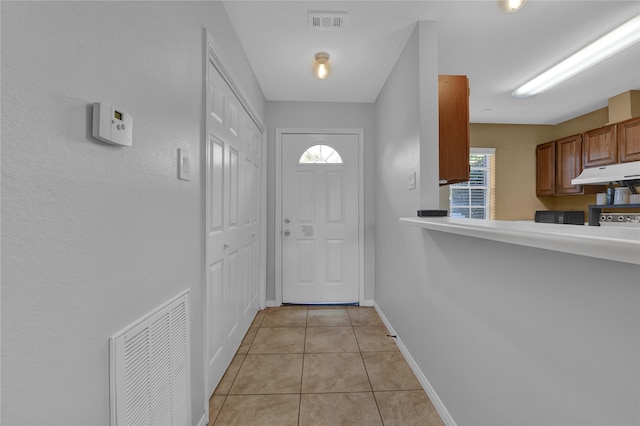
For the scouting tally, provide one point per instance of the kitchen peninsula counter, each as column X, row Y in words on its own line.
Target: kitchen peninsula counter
column 606, row 242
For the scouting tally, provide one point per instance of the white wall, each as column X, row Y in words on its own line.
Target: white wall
column 429, row 136
column 95, row 236
column 323, row 115
column 505, row 334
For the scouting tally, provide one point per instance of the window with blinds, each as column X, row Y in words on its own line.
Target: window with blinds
column 475, row 199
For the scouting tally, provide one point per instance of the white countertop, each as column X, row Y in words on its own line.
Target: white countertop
column 604, row 242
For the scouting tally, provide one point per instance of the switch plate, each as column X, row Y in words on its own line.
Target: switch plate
column 184, row 164
column 412, row 180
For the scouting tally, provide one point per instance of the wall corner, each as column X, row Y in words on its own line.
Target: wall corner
column 428, row 79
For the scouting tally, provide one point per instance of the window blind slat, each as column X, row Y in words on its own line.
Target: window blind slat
column 473, row 199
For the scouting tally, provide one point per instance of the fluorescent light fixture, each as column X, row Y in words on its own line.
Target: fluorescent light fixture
column 511, row 5
column 608, row 45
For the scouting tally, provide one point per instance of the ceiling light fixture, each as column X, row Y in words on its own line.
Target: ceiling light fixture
column 321, row 66
column 511, row 5
column 617, row 40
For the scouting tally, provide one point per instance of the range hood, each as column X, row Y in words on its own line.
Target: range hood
column 611, row 173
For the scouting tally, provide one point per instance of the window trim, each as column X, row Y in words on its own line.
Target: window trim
column 485, row 151
column 490, row 191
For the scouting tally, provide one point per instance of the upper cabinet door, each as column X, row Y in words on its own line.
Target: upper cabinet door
column 629, row 140
column 546, row 169
column 568, row 164
column 600, row 146
column 453, row 119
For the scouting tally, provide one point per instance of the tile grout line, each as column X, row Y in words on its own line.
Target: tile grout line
column 226, row 395
column 319, row 393
column 304, row 351
column 371, row 384
column 368, row 376
column 352, row 327
column 237, row 372
column 212, row 423
column 377, row 406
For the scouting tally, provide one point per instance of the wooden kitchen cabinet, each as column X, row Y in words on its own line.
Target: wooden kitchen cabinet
column 629, row 140
column 546, row 169
column 616, row 143
column 453, row 119
column 600, row 146
column 568, row 164
column 557, row 162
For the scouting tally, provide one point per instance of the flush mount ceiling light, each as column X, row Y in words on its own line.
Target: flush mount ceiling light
column 511, row 5
column 617, row 40
column 321, row 66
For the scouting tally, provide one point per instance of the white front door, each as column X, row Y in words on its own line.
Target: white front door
column 233, row 225
column 320, row 240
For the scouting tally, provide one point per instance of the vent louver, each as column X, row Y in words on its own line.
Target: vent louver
column 327, row 20
column 150, row 368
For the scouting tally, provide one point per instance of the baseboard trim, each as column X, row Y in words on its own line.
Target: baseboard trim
column 368, row 303
column 203, row 420
column 431, row 393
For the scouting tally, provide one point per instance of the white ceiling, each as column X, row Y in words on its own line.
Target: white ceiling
column 497, row 50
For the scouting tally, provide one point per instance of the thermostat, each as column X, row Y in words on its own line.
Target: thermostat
column 112, row 125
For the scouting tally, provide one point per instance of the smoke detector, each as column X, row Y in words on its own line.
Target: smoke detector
column 326, row 20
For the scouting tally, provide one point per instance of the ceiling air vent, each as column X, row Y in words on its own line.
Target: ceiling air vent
column 327, row 20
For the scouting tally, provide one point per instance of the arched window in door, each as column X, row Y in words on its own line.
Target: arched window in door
column 320, row 154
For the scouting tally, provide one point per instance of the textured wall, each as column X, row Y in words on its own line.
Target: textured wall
column 95, row 236
column 324, row 115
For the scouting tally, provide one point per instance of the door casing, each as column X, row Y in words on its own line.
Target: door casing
column 278, row 201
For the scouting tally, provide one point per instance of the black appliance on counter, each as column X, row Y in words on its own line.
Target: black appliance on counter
column 557, row 216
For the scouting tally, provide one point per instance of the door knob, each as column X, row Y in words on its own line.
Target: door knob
column 286, row 232
column 226, row 246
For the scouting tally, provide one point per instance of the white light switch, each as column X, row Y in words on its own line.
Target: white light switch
column 412, row 180
column 184, row 164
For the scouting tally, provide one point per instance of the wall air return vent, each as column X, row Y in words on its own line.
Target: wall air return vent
column 327, row 20
column 150, row 370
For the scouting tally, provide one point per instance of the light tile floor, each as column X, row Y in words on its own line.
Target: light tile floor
column 301, row 365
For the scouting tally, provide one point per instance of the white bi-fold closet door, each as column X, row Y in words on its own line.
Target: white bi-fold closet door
column 233, row 223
